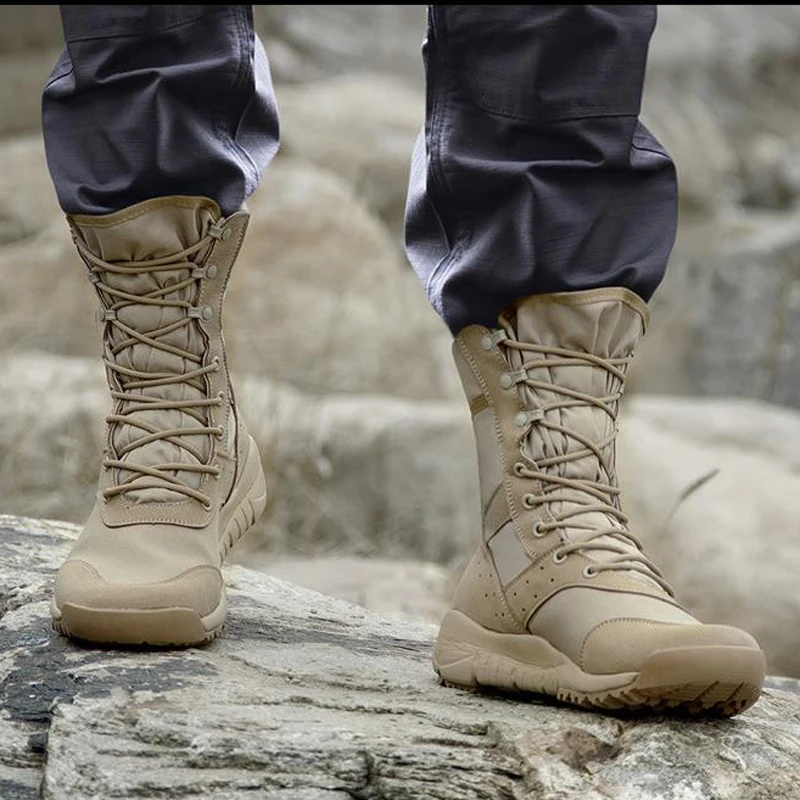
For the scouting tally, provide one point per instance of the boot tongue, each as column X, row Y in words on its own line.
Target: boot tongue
column 608, row 329
column 154, row 230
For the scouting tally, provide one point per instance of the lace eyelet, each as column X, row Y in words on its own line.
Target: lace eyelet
column 527, row 501
column 518, row 467
column 537, row 530
column 206, row 507
column 589, row 571
column 559, row 557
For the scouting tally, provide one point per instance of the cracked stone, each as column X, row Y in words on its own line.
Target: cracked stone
column 363, row 715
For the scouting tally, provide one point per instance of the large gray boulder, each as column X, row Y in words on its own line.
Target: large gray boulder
column 346, row 125
column 310, row 698
column 28, row 202
column 720, row 87
column 319, row 297
column 30, row 42
column 713, row 487
column 745, row 332
column 357, row 474
column 381, row 477
column 726, row 320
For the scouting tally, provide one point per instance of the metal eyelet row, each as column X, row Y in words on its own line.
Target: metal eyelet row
column 220, row 231
column 525, row 418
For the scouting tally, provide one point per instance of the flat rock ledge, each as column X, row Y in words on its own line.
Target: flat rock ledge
column 310, row 698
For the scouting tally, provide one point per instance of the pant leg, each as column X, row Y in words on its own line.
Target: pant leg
column 533, row 173
column 148, row 101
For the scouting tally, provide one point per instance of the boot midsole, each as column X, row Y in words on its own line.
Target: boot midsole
column 470, row 655
column 162, row 626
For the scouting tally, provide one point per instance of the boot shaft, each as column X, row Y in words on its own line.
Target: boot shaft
column 544, row 389
column 160, row 269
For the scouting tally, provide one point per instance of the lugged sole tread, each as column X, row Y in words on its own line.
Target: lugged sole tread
column 63, row 629
column 702, row 680
column 628, row 700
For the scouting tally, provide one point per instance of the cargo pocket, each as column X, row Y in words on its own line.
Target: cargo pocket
column 550, row 63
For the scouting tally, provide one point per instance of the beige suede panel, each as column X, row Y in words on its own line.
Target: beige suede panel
column 145, row 552
column 567, row 618
column 496, row 514
column 80, row 584
column 472, row 389
column 232, row 448
column 545, row 579
column 480, row 597
column 501, row 445
column 622, row 645
column 149, row 230
column 491, row 470
column 507, row 553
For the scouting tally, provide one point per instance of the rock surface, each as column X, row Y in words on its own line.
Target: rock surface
column 310, row 698
column 396, row 588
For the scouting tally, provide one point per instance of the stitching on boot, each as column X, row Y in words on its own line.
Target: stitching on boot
column 110, row 220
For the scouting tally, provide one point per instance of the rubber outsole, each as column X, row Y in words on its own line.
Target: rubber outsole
column 163, row 627
column 177, row 626
column 712, row 680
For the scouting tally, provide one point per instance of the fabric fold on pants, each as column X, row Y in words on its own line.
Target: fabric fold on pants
column 150, row 101
column 532, row 173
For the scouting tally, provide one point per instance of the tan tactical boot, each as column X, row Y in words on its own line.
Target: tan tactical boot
column 181, row 480
column 559, row 598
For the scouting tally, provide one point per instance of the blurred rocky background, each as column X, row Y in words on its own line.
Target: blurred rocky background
column 345, row 371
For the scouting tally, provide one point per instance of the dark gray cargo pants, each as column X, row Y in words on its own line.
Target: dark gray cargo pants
column 532, row 172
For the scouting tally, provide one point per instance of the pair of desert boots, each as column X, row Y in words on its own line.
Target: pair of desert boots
column 559, row 597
